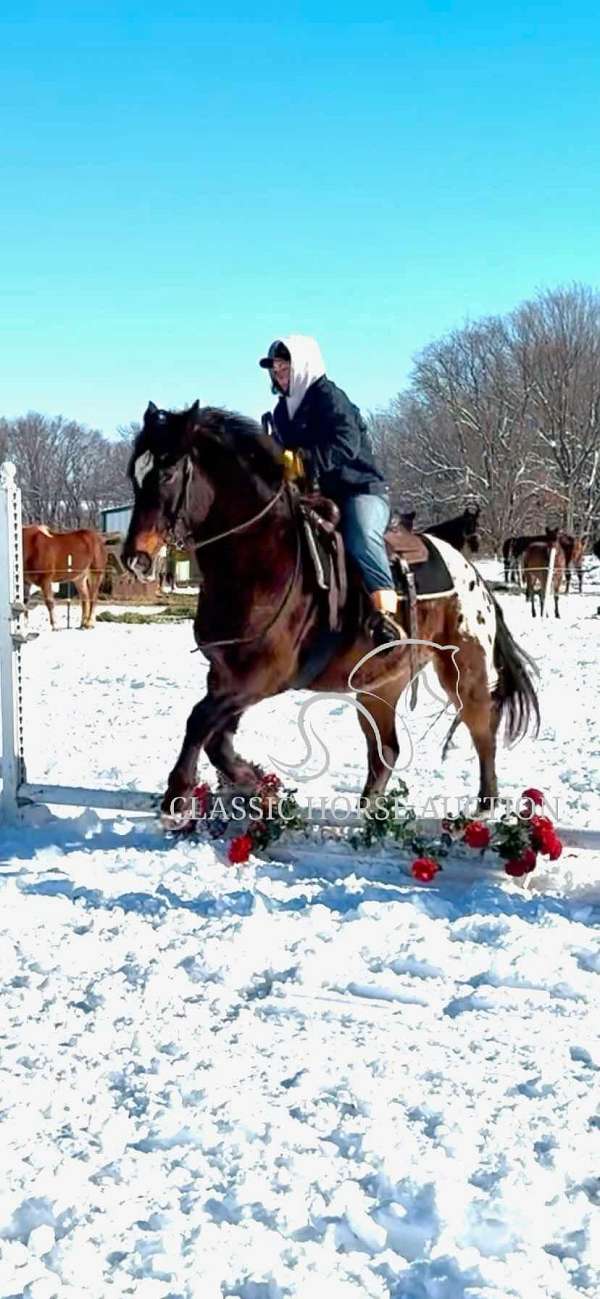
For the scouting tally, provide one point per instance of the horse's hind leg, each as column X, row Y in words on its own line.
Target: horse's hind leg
column 48, row 595
column 94, row 581
column 378, row 724
column 83, row 588
column 465, row 681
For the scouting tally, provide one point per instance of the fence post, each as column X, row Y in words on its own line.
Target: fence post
column 549, row 581
column 11, row 615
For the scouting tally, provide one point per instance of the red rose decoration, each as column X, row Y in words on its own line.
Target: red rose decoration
column 239, row 849
column 201, row 796
column 424, row 869
column 269, row 784
column 554, row 848
column 535, row 796
column 528, row 859
column 542, row 833
column 477, row 834
column 516, row 867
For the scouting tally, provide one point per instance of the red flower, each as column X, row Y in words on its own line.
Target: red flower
column 239, row 849
column 477, row 835
column 201, row 796
column 424, row 869
column 542, row 832
column 516, row 867
column 554, row 848
column 269, row 784
column 528, row 859
column 534, row 795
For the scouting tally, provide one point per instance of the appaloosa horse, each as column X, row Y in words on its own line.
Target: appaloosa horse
column 214, row 480
column 78, row 557
column 536, row 570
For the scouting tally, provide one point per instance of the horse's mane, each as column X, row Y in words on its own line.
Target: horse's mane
column 240, row 436
column 244, row 438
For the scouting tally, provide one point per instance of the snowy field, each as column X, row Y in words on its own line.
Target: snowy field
column 306, row 1078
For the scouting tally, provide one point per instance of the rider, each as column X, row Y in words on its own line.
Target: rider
column 314, row 415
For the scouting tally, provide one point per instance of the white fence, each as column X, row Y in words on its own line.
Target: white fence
column 17, row 792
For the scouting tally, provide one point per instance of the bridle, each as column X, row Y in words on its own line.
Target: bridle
column 187, row 540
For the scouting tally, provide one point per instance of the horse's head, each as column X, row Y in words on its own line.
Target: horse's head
column 161, row 471
column 189, row 464
column 471, row 521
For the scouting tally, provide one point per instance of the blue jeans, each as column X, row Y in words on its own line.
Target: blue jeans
column 364, row 521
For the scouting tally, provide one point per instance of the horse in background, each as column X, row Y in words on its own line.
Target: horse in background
column 575, row 564
column 536, row 567
column 513, row 549
column 78, row 557
column 460, row 531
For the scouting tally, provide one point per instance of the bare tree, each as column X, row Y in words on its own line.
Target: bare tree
column 556, row 344
column 67, row 472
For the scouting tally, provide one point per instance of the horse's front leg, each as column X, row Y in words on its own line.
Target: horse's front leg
column 220, row 751
column 210, row 725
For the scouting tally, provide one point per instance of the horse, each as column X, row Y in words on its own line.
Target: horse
column 514, row 548
column 459, row 531
column 212, row 480
column 596, row 548
column 575, row 564
column 79, row 557
column 536, row 566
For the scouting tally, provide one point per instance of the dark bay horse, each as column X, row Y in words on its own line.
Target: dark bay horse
column 78, row 557
column 536, row 570
column 214, row 480
column 460, row 531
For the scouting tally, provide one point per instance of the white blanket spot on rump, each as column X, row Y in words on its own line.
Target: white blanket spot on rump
column 143, row 466
column 475, row 602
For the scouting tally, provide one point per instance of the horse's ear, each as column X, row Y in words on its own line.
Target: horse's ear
column 192, row 414
column 151, row 409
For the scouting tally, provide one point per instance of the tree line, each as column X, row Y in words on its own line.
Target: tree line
column 504, row 412
column 67, row 473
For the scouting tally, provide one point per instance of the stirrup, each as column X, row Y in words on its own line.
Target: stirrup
column 384, row 630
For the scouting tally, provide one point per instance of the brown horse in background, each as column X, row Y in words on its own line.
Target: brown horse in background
column 77, row 557
column 536, row 566
column 575, row 563
column 213, row 481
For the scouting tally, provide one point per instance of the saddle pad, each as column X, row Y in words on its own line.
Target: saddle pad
column 431, row 575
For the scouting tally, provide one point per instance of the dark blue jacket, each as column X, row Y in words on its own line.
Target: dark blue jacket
column 332, row 430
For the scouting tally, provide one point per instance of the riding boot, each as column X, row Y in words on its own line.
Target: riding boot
column 383, row 625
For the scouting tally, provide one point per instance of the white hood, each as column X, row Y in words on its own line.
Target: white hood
column 307, row 367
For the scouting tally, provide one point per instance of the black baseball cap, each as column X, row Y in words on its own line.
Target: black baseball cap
column 277, row 352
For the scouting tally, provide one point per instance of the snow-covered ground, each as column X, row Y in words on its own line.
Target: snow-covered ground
column 308, row 1077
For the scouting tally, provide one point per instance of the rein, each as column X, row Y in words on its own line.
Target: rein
column 241, row 527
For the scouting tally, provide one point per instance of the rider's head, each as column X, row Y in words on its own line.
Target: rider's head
column 278, row 361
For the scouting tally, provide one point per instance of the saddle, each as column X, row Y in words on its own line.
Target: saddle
column 416, row 566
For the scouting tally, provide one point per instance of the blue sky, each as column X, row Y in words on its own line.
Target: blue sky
column 178, row 189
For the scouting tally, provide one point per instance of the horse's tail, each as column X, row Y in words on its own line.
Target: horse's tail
column 515, row 695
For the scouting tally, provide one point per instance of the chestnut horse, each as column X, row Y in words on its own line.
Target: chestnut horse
column 214, row 480
column 536, row 567
column 77, row 557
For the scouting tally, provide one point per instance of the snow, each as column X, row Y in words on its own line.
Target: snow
column 308, row 1076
